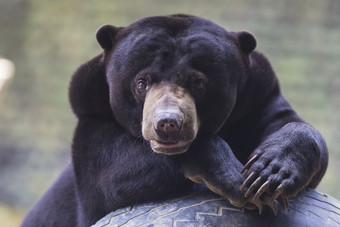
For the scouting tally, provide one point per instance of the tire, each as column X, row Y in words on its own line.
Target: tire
column 308, row 208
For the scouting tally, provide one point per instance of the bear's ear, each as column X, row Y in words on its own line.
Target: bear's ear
column 247, row 41
column 106, row 35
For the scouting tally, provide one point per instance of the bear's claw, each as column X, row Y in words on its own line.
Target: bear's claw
column 247, row 181
column 254, row 185
column 262, row 189
column 261, row 196
column 277, row 192
column 283, row 202
column 250, row 163
column 266, row 200
column 257, row 202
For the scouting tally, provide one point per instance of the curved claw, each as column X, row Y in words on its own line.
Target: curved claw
column 262, row 190
column 283, row 202
column 250, row 163
column 247, row 181
column 277, row 192
column 253, row 186
column 250, row 206
column 271, row 203
column 286, row 202
column 257, row 203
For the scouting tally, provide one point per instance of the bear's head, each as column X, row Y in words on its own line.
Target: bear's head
column 172, row 77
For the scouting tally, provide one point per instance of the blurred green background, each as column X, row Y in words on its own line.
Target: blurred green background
column 48, row 40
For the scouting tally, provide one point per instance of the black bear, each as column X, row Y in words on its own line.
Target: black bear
column 171, row 102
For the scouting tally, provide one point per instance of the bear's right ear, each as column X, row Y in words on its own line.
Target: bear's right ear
column 106, row 35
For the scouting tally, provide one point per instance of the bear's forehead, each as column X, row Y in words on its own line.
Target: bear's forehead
column 191, row 42
column 203, row 46
column 158, row 39
column 175, row 24
column 164, row 52
column 179, row 30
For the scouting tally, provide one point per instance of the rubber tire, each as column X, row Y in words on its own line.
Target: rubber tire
column 309, row 208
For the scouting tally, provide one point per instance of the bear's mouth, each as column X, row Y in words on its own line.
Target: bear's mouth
column 169, row 148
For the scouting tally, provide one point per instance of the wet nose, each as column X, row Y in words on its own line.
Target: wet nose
column 168, row 123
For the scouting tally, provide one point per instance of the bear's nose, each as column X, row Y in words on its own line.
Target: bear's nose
column 168, row 123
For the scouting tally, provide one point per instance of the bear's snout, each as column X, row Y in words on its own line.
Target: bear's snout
column 168, row 123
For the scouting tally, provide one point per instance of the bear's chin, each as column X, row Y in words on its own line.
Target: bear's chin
column 169, row 148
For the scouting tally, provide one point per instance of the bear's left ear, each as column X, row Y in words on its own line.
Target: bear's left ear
column 106, row 35
column 247, row 41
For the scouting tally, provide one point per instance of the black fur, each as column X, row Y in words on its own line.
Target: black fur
column 242, row 113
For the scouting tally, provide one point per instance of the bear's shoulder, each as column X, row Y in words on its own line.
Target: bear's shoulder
column 261, row 85
column 88, row 91
column 262, row 79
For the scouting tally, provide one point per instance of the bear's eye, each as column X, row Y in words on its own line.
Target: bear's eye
column 198, row 86
column 141, row 85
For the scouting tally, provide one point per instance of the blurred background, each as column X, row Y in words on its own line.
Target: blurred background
column 48, row 40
